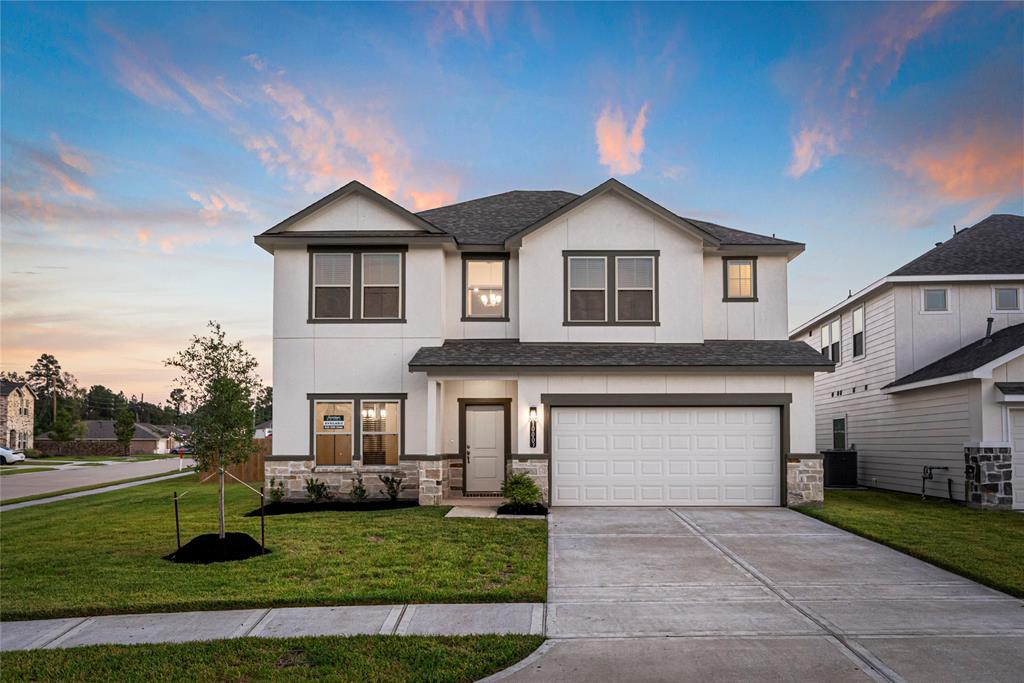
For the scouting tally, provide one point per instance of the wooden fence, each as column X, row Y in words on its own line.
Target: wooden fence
column 247, row 471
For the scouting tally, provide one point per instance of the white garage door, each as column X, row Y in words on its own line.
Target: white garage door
column 665, row 456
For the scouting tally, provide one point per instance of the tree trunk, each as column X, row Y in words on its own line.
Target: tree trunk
column 221, row 515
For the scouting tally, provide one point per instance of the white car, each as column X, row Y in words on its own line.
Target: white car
column 9, row 457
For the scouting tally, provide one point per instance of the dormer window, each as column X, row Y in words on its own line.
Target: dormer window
column 485, row 287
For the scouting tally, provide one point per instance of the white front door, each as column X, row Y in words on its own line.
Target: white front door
column 1017, row 437
column 485, row 448
column 665, row 456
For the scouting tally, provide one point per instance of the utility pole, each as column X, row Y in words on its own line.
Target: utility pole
column 53, row 398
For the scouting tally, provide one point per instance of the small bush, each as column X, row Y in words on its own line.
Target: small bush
column 32, row 453
column 276, row 491
column 520, row 489
column 392, row 485
column 358, row 492
column 317, row 491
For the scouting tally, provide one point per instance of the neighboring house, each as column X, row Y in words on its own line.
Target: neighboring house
column 615, row 352
column 99, row 438
column 264, row 430
column 930, row 361
column 17, row 415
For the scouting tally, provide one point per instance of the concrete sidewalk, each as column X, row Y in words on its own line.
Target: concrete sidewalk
column 90, row 492
column 285, row 622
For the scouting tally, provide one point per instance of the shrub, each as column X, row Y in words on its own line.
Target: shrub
column 392, row 486
column 276, row 491
column 520, row 489
column 33, row 453
column 316, row 490
column 358, row 492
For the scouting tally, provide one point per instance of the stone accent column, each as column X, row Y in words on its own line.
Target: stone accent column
column 988, row 476
column 432, row 481
column 536, row 470
column 805, row 480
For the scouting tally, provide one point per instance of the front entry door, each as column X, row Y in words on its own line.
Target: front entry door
column 485, row 448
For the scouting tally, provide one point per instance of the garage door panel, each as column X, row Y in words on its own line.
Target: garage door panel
column 665, row 456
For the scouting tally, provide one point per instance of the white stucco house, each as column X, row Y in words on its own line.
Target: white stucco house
column 617, row 353
column 930, row 370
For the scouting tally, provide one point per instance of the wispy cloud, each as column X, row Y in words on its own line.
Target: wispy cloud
column 619, row 144
column 217, row 205
column 460, row 19
column 811, row 146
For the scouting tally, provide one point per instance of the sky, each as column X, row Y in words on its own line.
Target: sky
column 143, row 145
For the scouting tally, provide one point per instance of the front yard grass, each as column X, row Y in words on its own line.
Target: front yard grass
column 984, row 545
column 102, row 554
column 362, row 659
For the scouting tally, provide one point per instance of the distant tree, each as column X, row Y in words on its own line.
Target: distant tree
column 102, row 403
column 66, row 428
column 264, row 405
column 12, row 376
column 124, row 428
column 176, row 400
column 54, row 389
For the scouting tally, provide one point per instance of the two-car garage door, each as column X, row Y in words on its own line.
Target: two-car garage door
column 665, row 456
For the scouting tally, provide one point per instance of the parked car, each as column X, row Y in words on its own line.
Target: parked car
column 9, row 457
column 181, row 450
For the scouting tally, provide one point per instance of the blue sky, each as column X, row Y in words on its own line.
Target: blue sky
column 144, row 144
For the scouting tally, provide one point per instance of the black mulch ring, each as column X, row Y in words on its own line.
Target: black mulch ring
column 530, row 509
column 288, row 508
column 208, row 548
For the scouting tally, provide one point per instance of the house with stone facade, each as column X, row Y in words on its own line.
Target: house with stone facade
column 930, row 370
column 17, row 415
column 617, row 353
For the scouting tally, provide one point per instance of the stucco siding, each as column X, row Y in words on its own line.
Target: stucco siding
column 766, row 318
column 353, row 213
column 457, row 328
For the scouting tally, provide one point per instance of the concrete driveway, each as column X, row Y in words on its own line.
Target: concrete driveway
column 685, row 594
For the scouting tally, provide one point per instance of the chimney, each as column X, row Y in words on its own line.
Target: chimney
column 988, row 333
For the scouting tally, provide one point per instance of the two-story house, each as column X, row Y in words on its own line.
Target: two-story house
column 617, row 353
column 17, row 415
column 930, row 370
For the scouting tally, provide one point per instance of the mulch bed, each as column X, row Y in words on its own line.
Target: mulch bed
column 289, row 508
column 209, row 548
column 531, row 509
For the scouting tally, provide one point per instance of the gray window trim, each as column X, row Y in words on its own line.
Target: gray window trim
column 924, row 300
column 863, row 333
column 610, row 290
column 484, row 256
column 357, row 428
column 725, row 278
column 995, row 299
column 357, row 284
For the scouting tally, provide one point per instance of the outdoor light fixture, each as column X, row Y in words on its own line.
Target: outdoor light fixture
column 533, row 426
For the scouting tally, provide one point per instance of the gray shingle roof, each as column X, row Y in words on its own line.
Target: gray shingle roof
column 713, row 353
column 492, row 220
column 968, row 358
column 1010, row 388
column 995, row 246
column 7, row 386
column 103, row 430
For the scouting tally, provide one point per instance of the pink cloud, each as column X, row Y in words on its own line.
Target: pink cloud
column 620, row 145
column 984, row 163
column 460, row 18
column 421, row 201
column 72, row 157
column 217, row 205
column 810, row 147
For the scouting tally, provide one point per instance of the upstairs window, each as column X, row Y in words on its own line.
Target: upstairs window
column 740, row 275
column 1005, row 299
column 356, row 285
column 588, row 292
column 634, row 288
column 485, row 282
column 831, row 338
column 611, row 288
column 858, row 332
column 934, row 300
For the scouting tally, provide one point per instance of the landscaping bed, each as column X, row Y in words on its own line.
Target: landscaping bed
column 210, row 548
column 530, row 509
column 986, row 546
column 295, row 507
column 359, row 659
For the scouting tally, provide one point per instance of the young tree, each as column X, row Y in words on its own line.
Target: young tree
column 66, row 428
column 208, row 358
column 222, row 431
column 124, row 428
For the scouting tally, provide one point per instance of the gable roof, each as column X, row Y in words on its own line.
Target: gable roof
column 994, row 246
column 7, row 386
column 103, row 430
column 353, row 187
column 968, row 359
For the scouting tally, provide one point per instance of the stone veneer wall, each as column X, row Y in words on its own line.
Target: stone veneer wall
column 537, row 470
column 989, row 485
column 294, row 473
column 805, row 481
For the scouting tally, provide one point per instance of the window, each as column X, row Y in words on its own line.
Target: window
column 831, row 338
column 1005, row 299
column 740, row 276
column 839, row 434
column 634, row 288
column 587, row 289
column 485, row 281
column 934, row 300
column 357, row 285
column 858, row 332
column 381, row 435
column 332, row 432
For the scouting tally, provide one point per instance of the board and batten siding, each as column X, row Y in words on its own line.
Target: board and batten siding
column 895, row 435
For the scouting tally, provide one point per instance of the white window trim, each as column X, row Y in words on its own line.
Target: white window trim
column 864, row 332
column 924, row 298
column 831, row 340
column 350, row 285
column 652, row 289
column 570, row 289
column 363, row 285
column 1006, row 310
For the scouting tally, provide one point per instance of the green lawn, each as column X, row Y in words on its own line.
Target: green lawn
column 102, row 555
column 984, row 545
column 4, row 471
column 360, row 659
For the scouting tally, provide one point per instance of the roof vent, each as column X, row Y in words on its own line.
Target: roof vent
column 938, row 244
column 988, row 333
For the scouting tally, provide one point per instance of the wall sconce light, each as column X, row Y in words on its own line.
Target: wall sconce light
column 533, row 426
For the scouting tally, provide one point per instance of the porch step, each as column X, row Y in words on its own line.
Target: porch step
column 473, row 511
